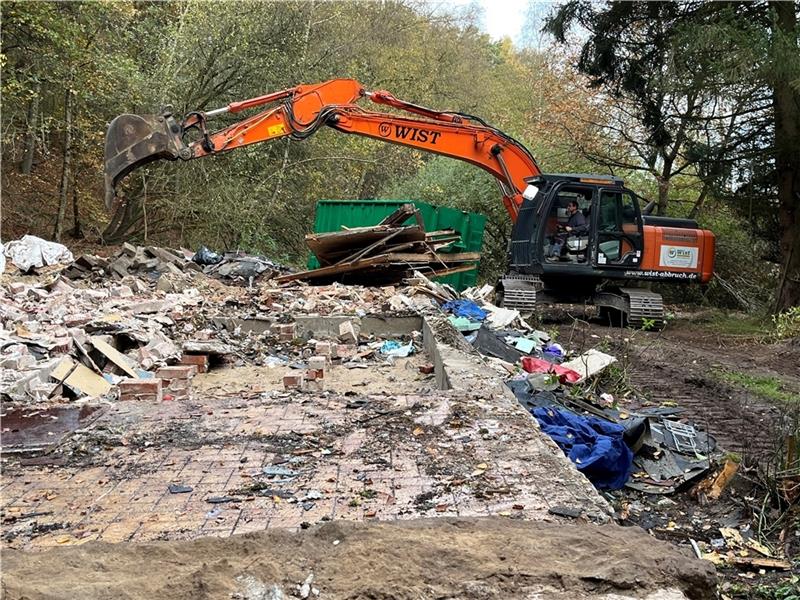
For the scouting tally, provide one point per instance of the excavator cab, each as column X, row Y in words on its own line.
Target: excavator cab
column 611, row 246
column 611, row 237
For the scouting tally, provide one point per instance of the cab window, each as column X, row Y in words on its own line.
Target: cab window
column 618, row 227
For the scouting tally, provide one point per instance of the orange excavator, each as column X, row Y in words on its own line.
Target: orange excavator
column 617, row 242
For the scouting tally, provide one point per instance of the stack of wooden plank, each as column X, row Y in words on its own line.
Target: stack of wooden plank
column 384, row 254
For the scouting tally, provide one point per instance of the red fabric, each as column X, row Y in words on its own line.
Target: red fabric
column 537, row 365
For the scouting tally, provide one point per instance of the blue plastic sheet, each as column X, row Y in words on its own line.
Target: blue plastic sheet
column 593, row 444
column 396, row 349
column 465, row 308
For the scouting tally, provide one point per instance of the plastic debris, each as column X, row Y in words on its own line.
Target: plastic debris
column 465, row 308
column 537, row 365
column 31, row 252
column 463, row 323
column 589, row 364
column 525, row 345
column 395, row 349
column 204, row 256
column 594, row 445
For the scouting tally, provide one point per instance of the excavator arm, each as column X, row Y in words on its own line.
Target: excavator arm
column 135, row 140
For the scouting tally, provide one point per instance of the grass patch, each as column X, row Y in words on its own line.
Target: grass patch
column 735, row 324
column 770, row 388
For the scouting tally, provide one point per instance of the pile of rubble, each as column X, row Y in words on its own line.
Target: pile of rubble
column 386, row 253
column 163, row 265
column 615, row 442
column 140, row 325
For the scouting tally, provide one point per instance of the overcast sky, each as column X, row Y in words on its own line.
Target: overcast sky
column 503, row 18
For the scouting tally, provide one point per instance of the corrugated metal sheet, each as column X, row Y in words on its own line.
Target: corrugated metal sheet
column 331, row 215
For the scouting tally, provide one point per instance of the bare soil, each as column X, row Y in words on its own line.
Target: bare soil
column 403, row 376
column 431, row 558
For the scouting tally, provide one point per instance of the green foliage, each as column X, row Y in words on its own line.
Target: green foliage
column 115, row 57
column 769, row 388
column 787, row 323
column 705, row 97
column 739, row 324
column 648, row 324
column 786, row 589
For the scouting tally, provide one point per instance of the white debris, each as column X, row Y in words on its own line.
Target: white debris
column 502, row 318
column 32, row 252
column 305, row 589
column 589, row 364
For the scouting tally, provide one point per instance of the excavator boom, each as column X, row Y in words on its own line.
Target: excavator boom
column 133, row 140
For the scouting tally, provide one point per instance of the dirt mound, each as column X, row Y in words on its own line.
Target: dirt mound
column 432, row 558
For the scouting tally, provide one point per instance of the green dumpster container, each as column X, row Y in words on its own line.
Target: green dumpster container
column 331, row 215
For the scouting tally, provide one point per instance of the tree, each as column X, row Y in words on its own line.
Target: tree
column 784, row 76
column 694, row 86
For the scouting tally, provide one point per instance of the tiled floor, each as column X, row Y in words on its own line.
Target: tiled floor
column 394, row 458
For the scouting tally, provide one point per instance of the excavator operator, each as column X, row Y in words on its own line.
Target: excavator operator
column 576, row 225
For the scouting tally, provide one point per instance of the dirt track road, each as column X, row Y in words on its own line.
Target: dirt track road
column 682, row 365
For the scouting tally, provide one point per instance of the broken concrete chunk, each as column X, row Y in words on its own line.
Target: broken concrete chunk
column 80, row 378
column 317, row 363
column 17, row 287
column 129, row 249
column 348, row 332
column 207, row 347
column 323, row 349
column 315, row 385
column 17, row 357
column 149, row 307
column 120, row 266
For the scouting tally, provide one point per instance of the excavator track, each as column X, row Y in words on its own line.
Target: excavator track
column 519, row 292
column 637, row 306
column 640, row 307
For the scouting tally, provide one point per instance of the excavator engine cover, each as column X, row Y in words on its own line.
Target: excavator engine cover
column 135, row 140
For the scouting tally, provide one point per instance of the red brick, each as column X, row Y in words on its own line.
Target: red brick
column 293, row 381
column 198, row 360
column 141, row 389
column 323, row 349
column 344, row 351
column 177, row 372
column 314, row 374
column 284, row 331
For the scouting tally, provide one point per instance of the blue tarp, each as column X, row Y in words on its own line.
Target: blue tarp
column 593, row 444
column 465, row 308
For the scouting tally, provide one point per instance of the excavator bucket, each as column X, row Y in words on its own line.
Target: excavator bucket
column 135, row 140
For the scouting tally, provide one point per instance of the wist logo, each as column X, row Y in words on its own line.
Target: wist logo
column 680, row 253
column 406, row 132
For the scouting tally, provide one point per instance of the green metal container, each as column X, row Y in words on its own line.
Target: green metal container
column 331, row 215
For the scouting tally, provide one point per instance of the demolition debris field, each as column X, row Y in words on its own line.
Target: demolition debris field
column 149, row 399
